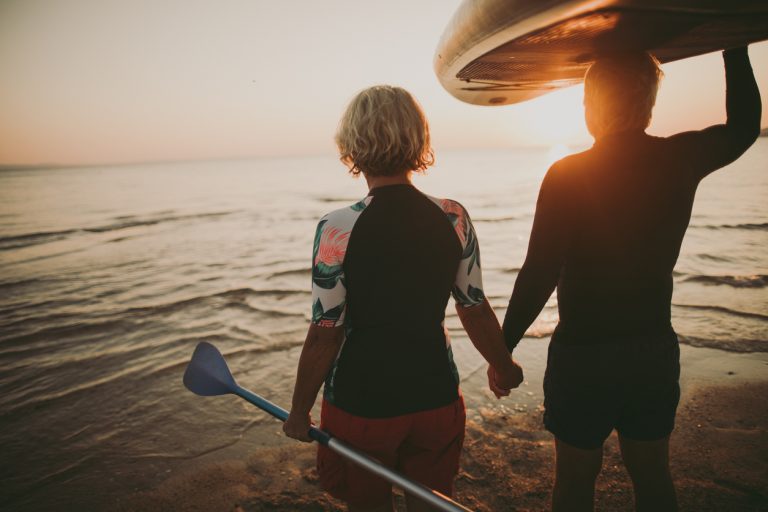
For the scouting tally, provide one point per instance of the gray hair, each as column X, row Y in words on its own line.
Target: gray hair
column 619, row 93
column 384, row 132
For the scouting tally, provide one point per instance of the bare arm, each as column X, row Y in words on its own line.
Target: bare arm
column 541, row 270
column 320, row 349
column 485, row 333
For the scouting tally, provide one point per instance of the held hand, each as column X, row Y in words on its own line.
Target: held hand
column 297, row 426
column 515, row 378
column 495, row 389
column 501, row 383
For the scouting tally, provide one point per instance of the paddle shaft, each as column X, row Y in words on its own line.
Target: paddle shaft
column 278, row 412
column 424, row 493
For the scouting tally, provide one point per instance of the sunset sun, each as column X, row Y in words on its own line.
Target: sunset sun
column 556, row 119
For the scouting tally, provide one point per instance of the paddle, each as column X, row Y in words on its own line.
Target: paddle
column 208, row 375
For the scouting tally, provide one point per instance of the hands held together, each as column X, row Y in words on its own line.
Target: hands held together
column 501, row 382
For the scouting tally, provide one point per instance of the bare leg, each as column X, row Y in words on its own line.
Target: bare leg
column 648, row 465
column 576, row 470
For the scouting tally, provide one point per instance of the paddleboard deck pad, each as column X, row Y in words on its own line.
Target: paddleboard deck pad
column 498, row 52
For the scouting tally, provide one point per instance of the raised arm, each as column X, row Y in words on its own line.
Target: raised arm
column 546, row 252
column 717, row 146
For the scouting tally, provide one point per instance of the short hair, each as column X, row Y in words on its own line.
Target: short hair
column 384, row 132
column 620, row 91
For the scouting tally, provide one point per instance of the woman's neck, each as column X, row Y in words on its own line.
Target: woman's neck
column 383, row 181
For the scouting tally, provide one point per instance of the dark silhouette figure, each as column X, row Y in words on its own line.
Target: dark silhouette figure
column 607, row 232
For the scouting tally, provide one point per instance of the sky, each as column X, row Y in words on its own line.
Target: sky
column 121, row 81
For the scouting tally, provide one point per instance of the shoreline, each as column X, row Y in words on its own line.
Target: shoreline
column 719, row 450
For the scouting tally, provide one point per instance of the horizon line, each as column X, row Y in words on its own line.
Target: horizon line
column 164, row 161
column 168, row 161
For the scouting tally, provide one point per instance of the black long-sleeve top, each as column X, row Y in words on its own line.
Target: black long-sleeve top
column 610, row 221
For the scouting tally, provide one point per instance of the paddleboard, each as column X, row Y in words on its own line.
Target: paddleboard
column 498, row 52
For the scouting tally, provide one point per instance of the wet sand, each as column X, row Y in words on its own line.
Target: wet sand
column 719, row 461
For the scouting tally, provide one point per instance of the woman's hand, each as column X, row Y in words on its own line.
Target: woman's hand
column 317, row 356
column 297, row 426
column 501, row 383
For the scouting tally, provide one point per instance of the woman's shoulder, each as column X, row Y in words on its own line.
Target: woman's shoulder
column 449, row 206
column 458, row 216
column 344, row 218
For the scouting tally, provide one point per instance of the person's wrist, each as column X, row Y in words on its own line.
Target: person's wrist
column 507, row 370
column 300, row 411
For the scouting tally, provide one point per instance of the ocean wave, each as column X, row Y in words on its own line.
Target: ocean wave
column 281, row 261
column 120, row 239
column 123, row 222
column 131, row 222
column 722, row 309
column 534, row 332
column 494, row 219
column 121, row 367
column 22, row 322
column 761, row 226
column 244, row 292
column 270, row 312
column 27, row 307
column 235, row 298
column 26, row 329
column 181, row 363
column 713, row 257
column 754, row 281
column 338, row 200
column 79, row 329
column 742, row 346
column 18, row 241
column 540, row 332
column 292, row 272
column 7, row 285
column 31, row 397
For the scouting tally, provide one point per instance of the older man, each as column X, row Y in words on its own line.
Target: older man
column 607, row 232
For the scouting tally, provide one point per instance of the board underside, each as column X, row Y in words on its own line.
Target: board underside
column 557, row 55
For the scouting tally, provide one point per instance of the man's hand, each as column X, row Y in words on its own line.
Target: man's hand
column 502, row 383
column 297, row 426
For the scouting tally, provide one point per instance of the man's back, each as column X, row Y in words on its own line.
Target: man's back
column 624, row 206
column 610, row 221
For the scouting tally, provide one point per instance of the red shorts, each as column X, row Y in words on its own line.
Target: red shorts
column 424, row 446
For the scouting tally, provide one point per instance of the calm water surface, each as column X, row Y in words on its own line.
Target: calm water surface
column 109, row 276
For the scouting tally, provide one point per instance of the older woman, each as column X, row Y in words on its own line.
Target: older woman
column 382, row 272
column 607, row 232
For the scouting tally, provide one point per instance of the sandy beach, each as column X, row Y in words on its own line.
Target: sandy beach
column 719, row 461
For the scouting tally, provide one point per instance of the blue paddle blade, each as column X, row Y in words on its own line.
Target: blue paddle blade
column 207, row 373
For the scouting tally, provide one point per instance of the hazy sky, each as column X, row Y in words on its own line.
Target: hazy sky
column 93, row 81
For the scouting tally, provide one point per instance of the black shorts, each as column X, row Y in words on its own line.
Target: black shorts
column 630, row 385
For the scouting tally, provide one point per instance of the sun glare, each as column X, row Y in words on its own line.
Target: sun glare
column 556, row 118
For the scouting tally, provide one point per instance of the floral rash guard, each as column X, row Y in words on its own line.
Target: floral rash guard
column 384, row 268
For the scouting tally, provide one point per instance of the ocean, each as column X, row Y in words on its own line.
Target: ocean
column 109, row 277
